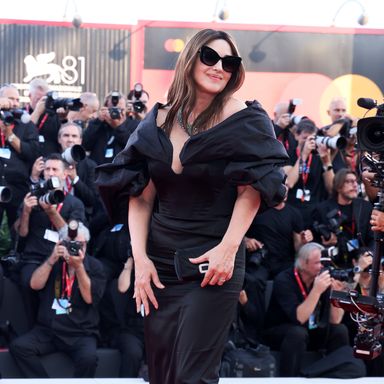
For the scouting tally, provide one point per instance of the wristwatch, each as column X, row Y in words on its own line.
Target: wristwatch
column 327, row 168
column 356, row 269
column 11, row 137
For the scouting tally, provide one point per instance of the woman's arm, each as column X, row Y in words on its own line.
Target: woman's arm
column 139, row 215
column 222, row 257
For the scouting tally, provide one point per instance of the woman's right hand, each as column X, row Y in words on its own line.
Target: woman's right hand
column 145, row 274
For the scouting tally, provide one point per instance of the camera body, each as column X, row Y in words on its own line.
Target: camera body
column 334, row 220
column 73, row 246
column 53, row 102
column 114, row 111
column 256, row 258
column 47, row 191
column 9, row 116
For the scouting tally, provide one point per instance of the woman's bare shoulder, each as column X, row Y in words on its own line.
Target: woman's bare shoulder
column 161, row 116
column 232, row 106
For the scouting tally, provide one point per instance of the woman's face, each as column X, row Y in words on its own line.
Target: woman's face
column 212, row 79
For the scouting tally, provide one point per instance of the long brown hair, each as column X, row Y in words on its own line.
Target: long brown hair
column 182, row 94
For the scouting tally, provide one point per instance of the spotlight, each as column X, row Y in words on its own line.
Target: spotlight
column 362, row 19
column 76, row 22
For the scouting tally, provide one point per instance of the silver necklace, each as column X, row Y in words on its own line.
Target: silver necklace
column 189, row 128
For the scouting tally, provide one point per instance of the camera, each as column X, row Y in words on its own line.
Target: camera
column 341, row 274
column 47, row 192
column 334, row 220
column 257, row 257
column 294, row 119
column 335, row 142
column 72, row 245
column 370, row 130
column 74, row 154
column 114, row 111
column 9, row 116
column 53, row 102
column 135, row 94
column 368, row 312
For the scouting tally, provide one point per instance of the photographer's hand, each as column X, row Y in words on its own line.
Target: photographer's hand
column 252, row 244
column 322, row 282
column 5, row 103
column 39, row 110
column 377, row 220
column 308, row 147
column 37, row 169
column 103, row 114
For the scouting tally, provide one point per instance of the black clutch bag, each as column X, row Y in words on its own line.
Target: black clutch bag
column 185, row 270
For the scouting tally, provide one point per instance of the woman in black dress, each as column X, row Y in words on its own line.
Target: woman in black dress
column 196, row 170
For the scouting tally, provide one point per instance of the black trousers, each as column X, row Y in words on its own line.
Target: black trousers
column 40, row 341
column 294, row 340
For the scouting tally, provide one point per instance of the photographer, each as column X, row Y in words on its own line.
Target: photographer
column 310, row 173
column 282, row 125
column 19, row 149
column 344, row 125
column 137, row 101
column 40, row 219
column 70, row 286
column 271, row 242
column 349, row 226
column 300, row 316
column 107, row 135
column 47, row 121
column 87, row 112
column 80, row 169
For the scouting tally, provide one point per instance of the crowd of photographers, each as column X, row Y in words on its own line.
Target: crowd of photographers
column 74, row 267
column 70, row 263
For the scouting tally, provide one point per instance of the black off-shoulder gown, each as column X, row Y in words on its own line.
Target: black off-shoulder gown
column 185, row 337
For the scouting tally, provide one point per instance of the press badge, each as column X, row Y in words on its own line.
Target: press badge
column 51, row 236
column 5, row 153
column 108, row 153
column 303, row 195
column 117, row 228
column 312, row 321
column 41, row 139
column 352, row 245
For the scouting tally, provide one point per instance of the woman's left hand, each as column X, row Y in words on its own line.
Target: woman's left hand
column 221, row 261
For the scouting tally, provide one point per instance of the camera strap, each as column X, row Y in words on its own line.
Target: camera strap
column 67, row 283
column 300, row 283
column 43, row 120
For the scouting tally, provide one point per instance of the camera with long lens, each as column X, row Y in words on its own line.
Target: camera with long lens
column 47, row 191
column 114, row 111
column 9, row 116
column 328, row 256
column 73, row 246
column 53, row 102
column 335, row 142
column 294, row 119
column 137, row 104
column 72, row 155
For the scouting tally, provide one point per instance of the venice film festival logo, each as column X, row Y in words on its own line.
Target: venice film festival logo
column 71, row 71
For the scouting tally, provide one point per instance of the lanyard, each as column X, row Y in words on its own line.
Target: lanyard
column 68, row 184
column 67, row 283
column 43, row 120
column 2, row 136
column 300, row 283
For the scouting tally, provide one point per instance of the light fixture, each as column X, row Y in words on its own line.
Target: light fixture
column 76, row 20
column 362, row 19
column 221, row 11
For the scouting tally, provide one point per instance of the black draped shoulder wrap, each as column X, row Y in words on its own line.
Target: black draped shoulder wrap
column 245, row 141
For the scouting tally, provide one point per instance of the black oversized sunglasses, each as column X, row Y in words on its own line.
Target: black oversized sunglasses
column 210, row 57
